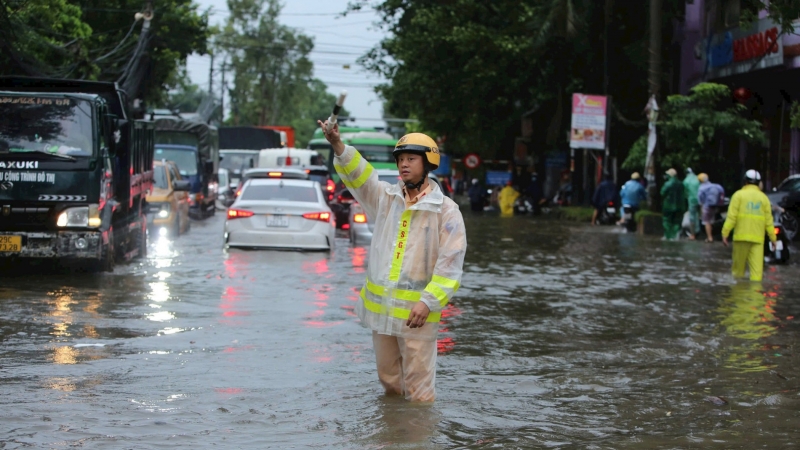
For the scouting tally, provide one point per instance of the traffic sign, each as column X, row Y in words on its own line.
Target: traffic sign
column 472, row 161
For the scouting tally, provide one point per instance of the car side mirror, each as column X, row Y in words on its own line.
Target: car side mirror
column 181, row 185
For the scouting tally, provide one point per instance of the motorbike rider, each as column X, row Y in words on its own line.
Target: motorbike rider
column 415, row 260
column 632, row 194
column 710, row 196
column 673, row 204
column 750, row 217
column 476, row 196
column 605, row 193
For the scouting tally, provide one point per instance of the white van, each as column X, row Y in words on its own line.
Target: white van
column 288, row 156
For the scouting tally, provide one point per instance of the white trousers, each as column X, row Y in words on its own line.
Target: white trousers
column 406, row 366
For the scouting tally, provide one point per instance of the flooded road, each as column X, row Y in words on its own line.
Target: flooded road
column 561, row 337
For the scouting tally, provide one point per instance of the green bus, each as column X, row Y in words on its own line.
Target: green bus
column 375, row 146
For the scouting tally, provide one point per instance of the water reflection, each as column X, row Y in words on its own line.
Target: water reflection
column 402, row 424
column 748, row 312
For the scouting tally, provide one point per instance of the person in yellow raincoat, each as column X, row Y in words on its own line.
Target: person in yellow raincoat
column 415, row 260
column 750, row 218
column 508, row 195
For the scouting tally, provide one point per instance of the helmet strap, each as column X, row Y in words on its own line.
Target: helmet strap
column 417, row 186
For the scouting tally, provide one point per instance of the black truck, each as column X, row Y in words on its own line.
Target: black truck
column 75, row 169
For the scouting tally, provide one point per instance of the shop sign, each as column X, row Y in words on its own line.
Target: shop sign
column 740, row 51
column 588, row 121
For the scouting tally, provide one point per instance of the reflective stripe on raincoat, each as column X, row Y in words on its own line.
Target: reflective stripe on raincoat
column 417, row 254
column 749, row 216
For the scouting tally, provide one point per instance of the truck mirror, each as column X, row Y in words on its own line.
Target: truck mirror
column 182, row 185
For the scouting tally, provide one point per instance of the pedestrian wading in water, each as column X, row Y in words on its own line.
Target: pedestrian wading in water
column 415, row 260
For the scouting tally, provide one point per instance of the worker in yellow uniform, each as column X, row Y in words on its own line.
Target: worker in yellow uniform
column 508, row 195
column 750, row 218
column 415, row 260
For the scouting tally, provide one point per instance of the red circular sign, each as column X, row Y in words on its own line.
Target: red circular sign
column 472, row 161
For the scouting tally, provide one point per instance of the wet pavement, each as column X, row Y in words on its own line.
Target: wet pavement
column 561, row 337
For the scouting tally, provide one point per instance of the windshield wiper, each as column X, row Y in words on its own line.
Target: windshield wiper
column 57, row 155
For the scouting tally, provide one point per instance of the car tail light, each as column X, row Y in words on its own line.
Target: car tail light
column 275, row 174
column 610, row 203
column 777, row 231
column 331, row 185
column 346, row 226
column 239, row 192
column 239, row 213
column 321, row 216
column 360, row 218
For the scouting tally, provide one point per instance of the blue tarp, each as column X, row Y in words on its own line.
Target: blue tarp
column 497, row 177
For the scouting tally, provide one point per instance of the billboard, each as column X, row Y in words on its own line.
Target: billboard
column 588, row 121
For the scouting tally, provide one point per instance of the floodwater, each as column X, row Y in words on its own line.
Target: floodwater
column 561, row 337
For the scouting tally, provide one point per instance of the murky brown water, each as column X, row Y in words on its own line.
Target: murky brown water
column 560, row 337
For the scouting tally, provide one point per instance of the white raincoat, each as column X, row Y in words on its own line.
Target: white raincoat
column 416, row 254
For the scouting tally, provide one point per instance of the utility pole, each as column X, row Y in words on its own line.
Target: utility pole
column 211, row 77
column 222, row 93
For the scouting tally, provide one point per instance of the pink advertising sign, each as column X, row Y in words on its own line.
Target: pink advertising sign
column 588, row 121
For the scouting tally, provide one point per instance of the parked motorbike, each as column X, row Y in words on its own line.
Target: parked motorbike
column 777, row 253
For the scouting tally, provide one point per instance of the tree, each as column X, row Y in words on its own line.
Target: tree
column 96, row 40
column 693, row 126
column 269, row 60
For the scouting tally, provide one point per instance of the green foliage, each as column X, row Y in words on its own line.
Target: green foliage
column 272, row 83
column 468, row 70
column 575, row 213
column 782, row 12
column 693, row 125
column 95, row 39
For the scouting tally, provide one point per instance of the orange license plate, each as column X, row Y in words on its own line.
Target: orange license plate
column 10, row 243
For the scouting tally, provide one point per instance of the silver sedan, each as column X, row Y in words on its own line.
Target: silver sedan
column 280, row 213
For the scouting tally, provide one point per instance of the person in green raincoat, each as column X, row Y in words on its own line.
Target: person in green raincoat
column 673, row 205
column 691, row 185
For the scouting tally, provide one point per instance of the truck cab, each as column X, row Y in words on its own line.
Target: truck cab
column 74, row 172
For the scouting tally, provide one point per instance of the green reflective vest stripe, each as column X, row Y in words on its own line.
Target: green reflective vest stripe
column 411, row 296
column 358, row 182
column 400, row 246
column 351, row 166
column 396, row 312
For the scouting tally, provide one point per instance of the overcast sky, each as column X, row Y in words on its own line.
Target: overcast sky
column 337, row 42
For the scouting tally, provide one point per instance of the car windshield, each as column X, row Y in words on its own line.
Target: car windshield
column 280, row 192
column 790, row 185
column 391, row 179
column 236, row 162
column 55, row 125
column 320, row 177
column 160, row 177
column 185, row 159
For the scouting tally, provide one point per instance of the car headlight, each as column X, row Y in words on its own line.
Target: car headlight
column 74, row 217
column 163, row 211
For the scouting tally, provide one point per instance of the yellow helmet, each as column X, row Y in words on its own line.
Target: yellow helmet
column 420, row 144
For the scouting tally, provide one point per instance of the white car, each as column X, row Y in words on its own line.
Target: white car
column 280, row 213
column 361, row 226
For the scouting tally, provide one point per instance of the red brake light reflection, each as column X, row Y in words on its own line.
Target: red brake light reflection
column 321, row 216
column 239, row 213
column 331, row 185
